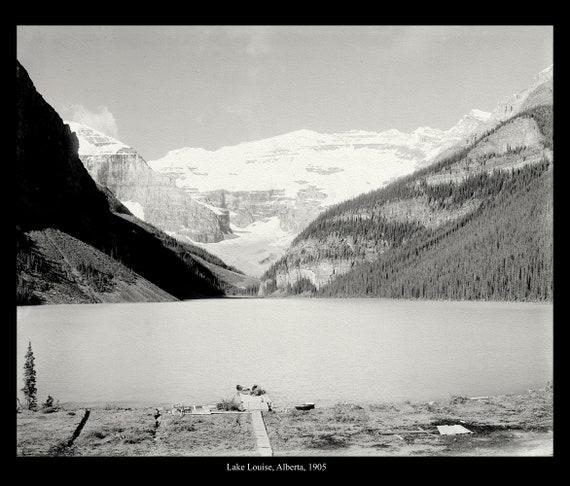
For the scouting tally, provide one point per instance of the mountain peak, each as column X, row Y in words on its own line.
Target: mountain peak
column 478, row 114
column 468, row 123
column 540, row 92
column 94, row 142
column 544, row 75
column 426, row 131
column 304, row 132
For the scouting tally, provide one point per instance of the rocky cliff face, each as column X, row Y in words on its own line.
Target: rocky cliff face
column 247, row 207
column 319, row 273
column 539, row 92
column 151, row 196
column 52, row 186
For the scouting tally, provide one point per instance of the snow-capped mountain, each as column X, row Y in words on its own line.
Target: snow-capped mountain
column 275, row 187
column 150, row 196
column 338, row 165
column 93, row 142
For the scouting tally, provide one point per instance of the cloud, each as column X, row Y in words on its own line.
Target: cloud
column 100, row 118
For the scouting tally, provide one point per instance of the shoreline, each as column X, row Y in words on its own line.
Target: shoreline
column 500, row 425
column 298, row 297
column 320, row 403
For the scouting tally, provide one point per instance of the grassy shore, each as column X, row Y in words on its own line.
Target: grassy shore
column 506, row 425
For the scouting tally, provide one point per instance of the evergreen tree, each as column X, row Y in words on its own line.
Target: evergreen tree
column 30, row 390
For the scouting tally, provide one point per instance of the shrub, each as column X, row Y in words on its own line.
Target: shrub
column 49, row 406
column 228, row 404
column 456, row 399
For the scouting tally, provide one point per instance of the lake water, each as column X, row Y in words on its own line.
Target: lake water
column 323, row 351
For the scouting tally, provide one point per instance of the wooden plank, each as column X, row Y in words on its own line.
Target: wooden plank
column 452, row 430
column 263, row 444
column 229, row 411
column 406, row 432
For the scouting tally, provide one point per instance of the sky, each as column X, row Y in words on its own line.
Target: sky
column 161, row 88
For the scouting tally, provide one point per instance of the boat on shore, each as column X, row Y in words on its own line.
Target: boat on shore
column 305, row 406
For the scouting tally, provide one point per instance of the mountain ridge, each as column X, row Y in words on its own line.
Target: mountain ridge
column 75, row 242
column 152, row 196
column 351, row 247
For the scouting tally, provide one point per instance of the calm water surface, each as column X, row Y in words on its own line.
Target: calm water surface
column 325, row 351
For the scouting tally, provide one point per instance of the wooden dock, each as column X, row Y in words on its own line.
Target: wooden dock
column 263, row 445
column 251, row 404
column 255, row 402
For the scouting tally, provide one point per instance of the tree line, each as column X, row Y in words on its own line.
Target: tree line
column 502, row 251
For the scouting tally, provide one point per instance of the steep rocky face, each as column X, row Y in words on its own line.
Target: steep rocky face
column 542, row 95
column 152, row 197
column 247, row 207
column 318, row 273
column 539, row 92
column 52, row 186
column 77, row 243
column 317, row 261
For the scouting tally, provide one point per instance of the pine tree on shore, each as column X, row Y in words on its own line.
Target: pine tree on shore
column 30, row 390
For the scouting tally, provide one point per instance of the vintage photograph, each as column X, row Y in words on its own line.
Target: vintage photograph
column 284, row 241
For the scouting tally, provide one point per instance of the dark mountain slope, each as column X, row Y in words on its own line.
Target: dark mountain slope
column 56, row 268
column 56, row 196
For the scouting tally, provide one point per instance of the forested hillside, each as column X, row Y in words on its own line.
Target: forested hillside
column 501, row 251
column 476, row 225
